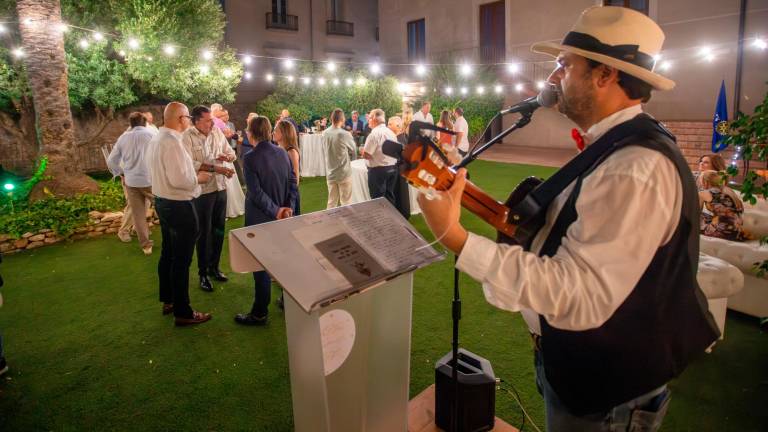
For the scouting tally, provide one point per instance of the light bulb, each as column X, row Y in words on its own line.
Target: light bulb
column 133, row 43
column 207, row 55
column 169, row 50
column 98, row 36
column 513, row 68
column 331, row 66
column 288, row 64
column 421, row 70
column 375, row 69
column 247, row 60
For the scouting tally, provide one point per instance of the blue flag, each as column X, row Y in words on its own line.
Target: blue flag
column 720, row 121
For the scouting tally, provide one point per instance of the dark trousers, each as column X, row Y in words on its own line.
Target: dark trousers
column 178, row 223
column 382, row 182
column 212, row 214
column 263, row 290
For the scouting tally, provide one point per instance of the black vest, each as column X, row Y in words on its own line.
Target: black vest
column 662, row 325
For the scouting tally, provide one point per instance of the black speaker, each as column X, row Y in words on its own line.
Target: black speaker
column 477, row 393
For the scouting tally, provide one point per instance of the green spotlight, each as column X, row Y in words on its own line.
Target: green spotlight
column 9, row 186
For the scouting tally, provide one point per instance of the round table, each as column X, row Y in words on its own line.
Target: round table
column 312, row 155
column 360, row 190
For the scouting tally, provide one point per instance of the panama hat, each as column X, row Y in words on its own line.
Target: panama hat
column 617, row 37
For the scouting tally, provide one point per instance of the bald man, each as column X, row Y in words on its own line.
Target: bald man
column 175, row 183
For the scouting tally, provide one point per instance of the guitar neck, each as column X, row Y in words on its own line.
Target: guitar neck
column 487, row 208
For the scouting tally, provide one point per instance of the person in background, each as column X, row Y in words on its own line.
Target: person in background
column 235, row 195
column 355, row 126
column 721, row 209
column 423, row 115
column 234, row 140
column 127, row 160
column 175, row 183
column 246, row 146
column 150, row 121
column 461, row 128
column 407, row 120
column 382, row 171
column 272, row 191
column 448, row 141
column 340, row 151
column 208, row 148
column 402, row 194
column 286, row 116
column 713, row 162
column 286, row 137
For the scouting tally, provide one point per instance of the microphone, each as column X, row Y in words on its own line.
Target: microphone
column 547, row 98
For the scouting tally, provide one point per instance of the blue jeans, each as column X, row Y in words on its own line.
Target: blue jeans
column 642, row 414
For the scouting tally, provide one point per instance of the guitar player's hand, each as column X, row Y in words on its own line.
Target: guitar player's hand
column 442, row 214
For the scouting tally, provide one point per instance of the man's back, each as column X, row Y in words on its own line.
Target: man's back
column 128, row 156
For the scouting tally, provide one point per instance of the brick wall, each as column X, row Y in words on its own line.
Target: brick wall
column 695, row 140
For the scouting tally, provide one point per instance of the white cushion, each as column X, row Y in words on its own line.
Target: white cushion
column 743, row 255
column 718, row 278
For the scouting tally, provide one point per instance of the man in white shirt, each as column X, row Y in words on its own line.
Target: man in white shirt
column 461, row 128
column 175, row 183
column 208, row 148
column 423, row 115
column 127, row 161
column 150, row 121
column 382, row 171
column 608, row 284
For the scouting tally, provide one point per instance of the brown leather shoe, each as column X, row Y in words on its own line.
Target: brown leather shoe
column 167, row 308
column 197, row 318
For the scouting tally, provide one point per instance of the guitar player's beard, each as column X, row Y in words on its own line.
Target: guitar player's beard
column 578, row 102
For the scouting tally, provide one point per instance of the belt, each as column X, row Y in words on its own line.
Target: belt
column 536, row 340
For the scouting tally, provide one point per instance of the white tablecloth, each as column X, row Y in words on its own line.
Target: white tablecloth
column 360, row 190
column 312, row 155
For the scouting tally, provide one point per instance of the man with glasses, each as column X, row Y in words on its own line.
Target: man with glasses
column 207, row 145
column 175, row 183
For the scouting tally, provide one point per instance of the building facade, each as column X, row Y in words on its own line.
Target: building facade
column 339, row 30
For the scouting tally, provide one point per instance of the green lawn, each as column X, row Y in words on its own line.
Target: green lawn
column 89, row 349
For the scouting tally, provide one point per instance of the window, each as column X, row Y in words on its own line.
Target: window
column 638, row 5
column 492, row 32
column 417, row 46
column 279, row 7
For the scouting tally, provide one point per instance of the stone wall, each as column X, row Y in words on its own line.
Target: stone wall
column 98, row 225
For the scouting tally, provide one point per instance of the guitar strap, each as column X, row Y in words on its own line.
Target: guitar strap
column 530, row 212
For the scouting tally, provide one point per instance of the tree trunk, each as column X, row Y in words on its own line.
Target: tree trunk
column 46, row 64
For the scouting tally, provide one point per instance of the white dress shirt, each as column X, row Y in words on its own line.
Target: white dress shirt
column 373, row 144
column 205, row 149
column 174, row 177
column 127, row 157
column 152, row 128
column 628, row 207
column 460, row 125
column 419, row 116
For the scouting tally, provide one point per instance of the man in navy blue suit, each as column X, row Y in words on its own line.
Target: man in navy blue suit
column 355, row 126
column 272, row 191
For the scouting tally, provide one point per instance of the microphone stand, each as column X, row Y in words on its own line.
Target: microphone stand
column 456, row 314
column 522, row 122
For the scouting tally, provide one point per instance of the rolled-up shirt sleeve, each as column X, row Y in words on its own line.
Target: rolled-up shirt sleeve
column 623, row 218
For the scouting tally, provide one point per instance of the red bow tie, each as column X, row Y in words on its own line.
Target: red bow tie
column 578, row 139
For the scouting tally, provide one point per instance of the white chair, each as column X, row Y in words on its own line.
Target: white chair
column 719, row 280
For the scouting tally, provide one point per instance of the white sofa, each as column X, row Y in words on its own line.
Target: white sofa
column 753, row 298
column 718, row 280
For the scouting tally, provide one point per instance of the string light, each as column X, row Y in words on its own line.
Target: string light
column 331, row 66
column 289, row 78
column 150, row 58
column 480, row 90
column 465, row 69
column 269, row 77
column 519, row 87
column 169, row 50
column 449, row 90
column 422, row 89
column 247, row 60
column 133, row 43
column 336, row 82
column 204, row 69
column 665, row 65
column 98, row 36
column 759, row 43
column 348, row 81
column 248, row 75
column 707, row 53
column 361, row 81
column 18, row 52
column 227, row 72
column 540, row 85
column 464, row 90
column 321, row 81
column 403, row 87
column 62, row 27
column 375, row 68
column 121, row 53
column 2, row 29
column 657, row 58
column 288, row 64
column 306, row 80
column 421, row 70
column 83, row 43
column 207, row 54
column 513, row 68
column 498, row 89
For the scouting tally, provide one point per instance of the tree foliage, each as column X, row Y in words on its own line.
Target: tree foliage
column 306, row 102
column 100, row 78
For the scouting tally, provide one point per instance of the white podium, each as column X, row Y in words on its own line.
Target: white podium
column 348, row 275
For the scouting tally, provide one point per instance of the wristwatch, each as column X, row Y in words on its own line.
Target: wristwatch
column 212, row 169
